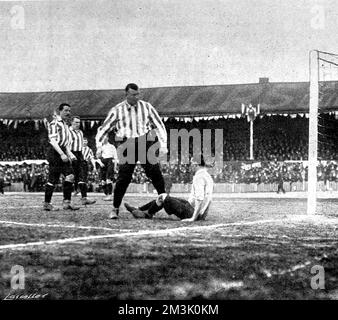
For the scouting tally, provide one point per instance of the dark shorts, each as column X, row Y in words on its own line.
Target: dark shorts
column 80, row 167
column 181, row 208
column 107, row 172
column 85, row 169
column 57, row 166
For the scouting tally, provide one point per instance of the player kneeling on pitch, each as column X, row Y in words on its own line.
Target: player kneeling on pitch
column 193, row 209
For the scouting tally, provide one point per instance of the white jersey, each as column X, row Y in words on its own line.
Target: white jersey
column 109, row 151
column 202, row 188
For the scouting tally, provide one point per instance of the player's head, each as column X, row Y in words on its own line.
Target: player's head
column 85, row 142
column 64, row 111
column 105, row 140
column 132, row 93
column 76, row 121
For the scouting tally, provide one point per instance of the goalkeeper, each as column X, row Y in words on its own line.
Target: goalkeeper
column 197, row 206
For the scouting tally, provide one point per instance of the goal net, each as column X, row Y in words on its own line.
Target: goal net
column 322, row 128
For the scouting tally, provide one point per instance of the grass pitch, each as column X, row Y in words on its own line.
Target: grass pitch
column 248, row 248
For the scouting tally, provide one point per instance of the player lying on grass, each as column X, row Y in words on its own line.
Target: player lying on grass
column 193, row 209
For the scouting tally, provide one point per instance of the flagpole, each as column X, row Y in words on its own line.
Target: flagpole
column 251, row 139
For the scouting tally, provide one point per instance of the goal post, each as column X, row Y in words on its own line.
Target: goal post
column 313, row 132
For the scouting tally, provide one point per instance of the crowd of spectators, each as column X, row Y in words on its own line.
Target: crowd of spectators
column 22, row 143
column 277, row 140
column 35, row 176
column 269, row 172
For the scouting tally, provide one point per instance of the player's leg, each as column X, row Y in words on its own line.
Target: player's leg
column 55, row 168
column 178, row 207
column 143, row 211
column 154, row 173
column 109, row 178
column 53, row 178
column 204, row 214
column 123, row 179
column 68, row 172
column 148, row 205
column 2, row 186
column 83, row 176
column 103, row 177
column 143, row 208
column 76, row 169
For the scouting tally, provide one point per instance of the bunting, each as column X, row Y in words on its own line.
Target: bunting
column 91, row 123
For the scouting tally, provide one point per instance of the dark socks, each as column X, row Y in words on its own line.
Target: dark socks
column 83, row 189
column 67, row 190
column 105, row 189
column 110, row 188
column 48, row 193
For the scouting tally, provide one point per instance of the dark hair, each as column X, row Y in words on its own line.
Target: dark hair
column 62, row 105
column 75, row 117
column 131, row 86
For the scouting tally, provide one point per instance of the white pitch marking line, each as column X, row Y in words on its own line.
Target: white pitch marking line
column 290, row 270
column 34, row 207
column 138, row 233
column 23, row 207
column 56, row 225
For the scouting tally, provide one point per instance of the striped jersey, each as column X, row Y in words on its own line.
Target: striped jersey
column 109, row 151
column 58, row 130
column 202, row 188
column 76, row 139
column 131, row 122
column 87, row 153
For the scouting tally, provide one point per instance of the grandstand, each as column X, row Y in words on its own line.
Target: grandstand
column 280, row 134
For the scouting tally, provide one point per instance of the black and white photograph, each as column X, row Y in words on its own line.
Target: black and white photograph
column 168, row 150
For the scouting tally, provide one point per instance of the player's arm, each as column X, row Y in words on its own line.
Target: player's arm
column 98, row 140
column 57, row 148
column 93, row 162
column 92, row 159
column 54, row 141
column 69, row 153
column 115, row 157
column 159, row 128
column 108, row 124
column 199, row 195
column 191, row 199
column 94, row 165
column 100, row 162
column 197, row 210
